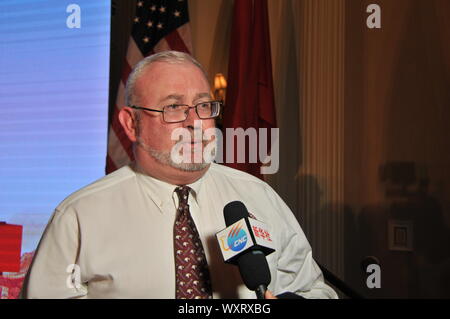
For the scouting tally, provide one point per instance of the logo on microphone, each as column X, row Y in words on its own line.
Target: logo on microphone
column 237, row 238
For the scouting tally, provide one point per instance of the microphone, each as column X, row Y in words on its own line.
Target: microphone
column 246, row 242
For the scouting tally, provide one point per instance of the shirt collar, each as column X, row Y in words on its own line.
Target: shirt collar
column 196, row 187
column 159, row 192
column 162, row 193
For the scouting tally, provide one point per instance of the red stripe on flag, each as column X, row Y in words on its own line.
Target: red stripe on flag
column 121, row 136
column 125, row 71
column 176, row 42
column 150, row 52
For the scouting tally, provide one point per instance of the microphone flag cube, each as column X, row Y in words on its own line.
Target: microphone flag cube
column 245, row 234
column 10, row 247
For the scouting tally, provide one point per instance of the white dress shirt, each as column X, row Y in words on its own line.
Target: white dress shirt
column 117, row 236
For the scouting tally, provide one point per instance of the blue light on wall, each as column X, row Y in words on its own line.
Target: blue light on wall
column 53, row 106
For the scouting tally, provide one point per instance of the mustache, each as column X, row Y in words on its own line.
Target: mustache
column 181, row 139
column 195, row 136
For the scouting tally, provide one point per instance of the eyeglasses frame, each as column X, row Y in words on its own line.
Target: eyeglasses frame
column 187, row 111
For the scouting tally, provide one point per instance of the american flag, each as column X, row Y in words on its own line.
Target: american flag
column 158, row 25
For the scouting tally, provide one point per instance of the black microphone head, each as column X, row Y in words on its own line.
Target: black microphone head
column 234, row 211
column 254, row 269
column 252, row 264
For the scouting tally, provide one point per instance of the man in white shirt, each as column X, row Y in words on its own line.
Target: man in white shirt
column 115, row 237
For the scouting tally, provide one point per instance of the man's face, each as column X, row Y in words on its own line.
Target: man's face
column 163, row 84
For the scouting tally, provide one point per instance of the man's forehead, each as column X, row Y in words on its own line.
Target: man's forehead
column 172, row 81
column 176, row 96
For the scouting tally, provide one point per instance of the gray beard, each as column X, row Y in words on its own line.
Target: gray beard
column 166, row 159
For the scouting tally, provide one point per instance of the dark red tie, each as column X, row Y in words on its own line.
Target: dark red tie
column 192, row 274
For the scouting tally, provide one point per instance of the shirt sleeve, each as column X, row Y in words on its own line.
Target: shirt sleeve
column 297, row 271
column 54, row 272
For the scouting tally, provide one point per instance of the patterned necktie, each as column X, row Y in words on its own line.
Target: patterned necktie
column 192, row 274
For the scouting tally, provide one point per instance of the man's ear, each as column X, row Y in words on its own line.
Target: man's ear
column 128, row 122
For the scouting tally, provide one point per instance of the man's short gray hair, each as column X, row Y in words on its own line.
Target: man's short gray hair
column 172, row 57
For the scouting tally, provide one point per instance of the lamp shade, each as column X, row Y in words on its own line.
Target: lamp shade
column 220, row 82
column 10, row 247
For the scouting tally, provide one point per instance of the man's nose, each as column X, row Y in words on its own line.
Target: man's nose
column 191, row 118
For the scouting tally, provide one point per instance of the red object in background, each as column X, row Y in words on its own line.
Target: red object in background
column 250, row 98
column 10, row 247
column 11, row 283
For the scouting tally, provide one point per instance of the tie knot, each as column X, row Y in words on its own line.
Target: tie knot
column 183, row 193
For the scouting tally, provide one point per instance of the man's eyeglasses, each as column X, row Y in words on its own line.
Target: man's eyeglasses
column 174, row 113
